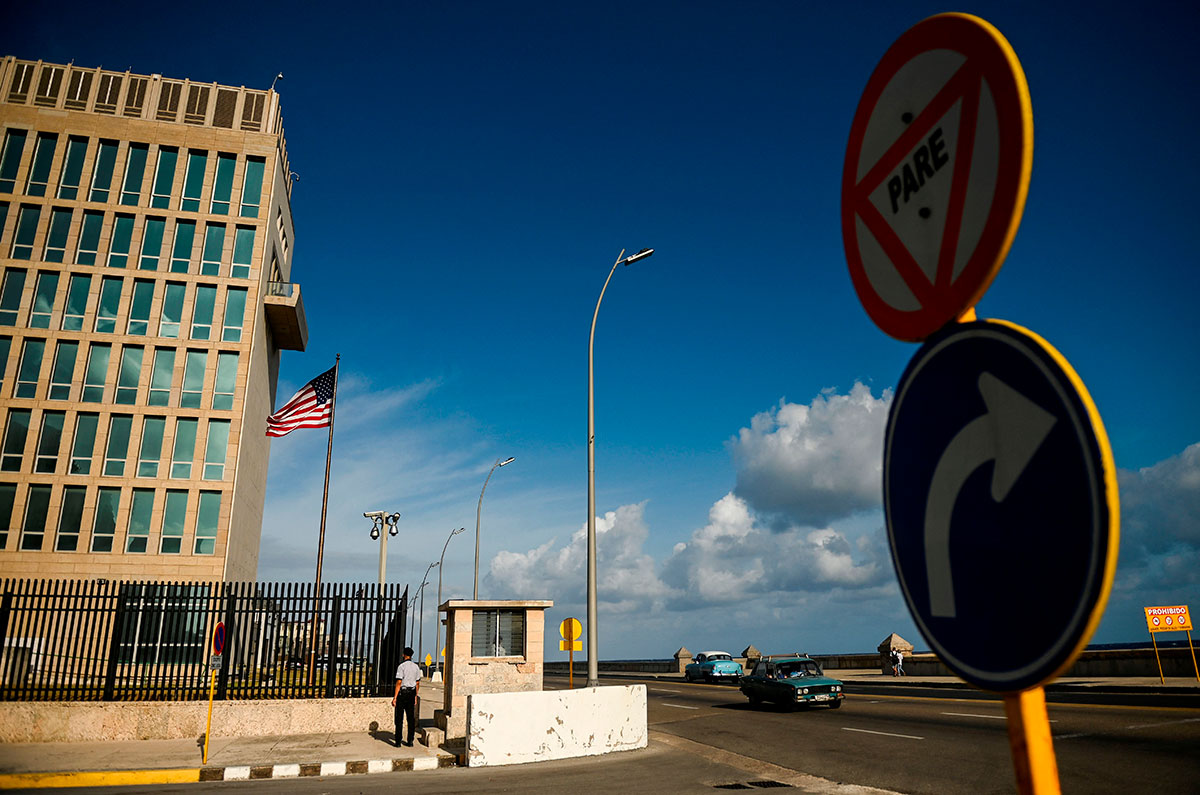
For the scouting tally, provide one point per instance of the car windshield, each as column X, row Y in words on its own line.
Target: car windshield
column 718, row 657
column 796, row 670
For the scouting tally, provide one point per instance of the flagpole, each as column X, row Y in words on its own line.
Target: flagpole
column 312, row 661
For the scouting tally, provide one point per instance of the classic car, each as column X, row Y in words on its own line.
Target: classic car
column 713, row 666
column 794, row 680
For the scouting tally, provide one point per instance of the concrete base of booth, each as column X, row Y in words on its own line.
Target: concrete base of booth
column 514, row 728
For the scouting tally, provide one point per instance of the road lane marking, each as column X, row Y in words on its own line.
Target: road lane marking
column 974, row 715
column 678, row 706
column 1134, row 727
column 885, row 734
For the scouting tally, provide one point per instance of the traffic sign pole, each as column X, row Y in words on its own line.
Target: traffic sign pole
column 214, row 665
column 1029, row 738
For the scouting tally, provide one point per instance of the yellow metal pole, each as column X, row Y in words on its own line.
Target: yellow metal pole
column 1193, row 648
column 571, row 665
column 1161, row 681
column 1032, row 747
column 212, row 684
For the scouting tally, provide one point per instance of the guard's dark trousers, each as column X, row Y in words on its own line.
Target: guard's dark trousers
column 406, row 705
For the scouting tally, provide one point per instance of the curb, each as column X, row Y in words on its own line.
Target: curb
column 121, row 778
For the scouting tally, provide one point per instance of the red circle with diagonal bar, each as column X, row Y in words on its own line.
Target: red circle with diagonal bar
column 936, row 173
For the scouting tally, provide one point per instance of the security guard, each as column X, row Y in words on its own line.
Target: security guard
column 408, row 680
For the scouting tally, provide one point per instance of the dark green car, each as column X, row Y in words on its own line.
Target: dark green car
column 791, row 681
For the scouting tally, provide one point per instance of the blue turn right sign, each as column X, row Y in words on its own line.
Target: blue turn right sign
column 1001, row 502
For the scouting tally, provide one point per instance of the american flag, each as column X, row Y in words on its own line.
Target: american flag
column 311, row 407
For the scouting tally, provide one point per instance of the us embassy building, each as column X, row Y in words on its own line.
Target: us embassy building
column 145, row 298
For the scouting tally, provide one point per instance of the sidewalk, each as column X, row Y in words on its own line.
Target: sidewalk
column 30, row 765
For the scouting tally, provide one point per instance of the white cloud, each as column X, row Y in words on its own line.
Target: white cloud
column 810, row 465
column 1160, row 526
column 626, row 578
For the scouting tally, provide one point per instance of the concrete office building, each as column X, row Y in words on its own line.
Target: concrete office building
column 145, row 297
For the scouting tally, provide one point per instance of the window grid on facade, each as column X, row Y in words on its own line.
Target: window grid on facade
column 135, row 170
column 129, row 374
column 181, row 249
column 102, row 171
column 202, row 312
column 29, row 368
column 235, row 309
column 161, row 376
column 119, row 428
column 215, row 449
column 96, row 373
column 72, row 169
column 104, row 526
column 122, row 240
column 26, row 231
column 184, row 450
column 110, row 302
column 49, row 442
column 70, row 518
column 137, row 535
column 16, row 431
column 152, row 240
column 63, row 370
column 8, row 495
column 150, row 454
column 84, row 443
column 56, row 235
column 77, row 296
column 164, row 176
column 225, row 383
column 10, row 158
column 89, row 237
column 174, row 516
column 139, row 308
column 223, row 184
column 10, row 295
column 43, row 299
column 43, row 159
column 37, row 506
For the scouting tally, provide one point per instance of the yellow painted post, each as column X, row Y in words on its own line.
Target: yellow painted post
column 1031, row 744
column 1193, row 648
column 212, row 685
column 1161, row 681
column 571, row 667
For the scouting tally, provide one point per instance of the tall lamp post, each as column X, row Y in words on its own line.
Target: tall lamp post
column 593, row 644
column 478, row 511
column 437, row 643
column 421, row 591
column 379, row 521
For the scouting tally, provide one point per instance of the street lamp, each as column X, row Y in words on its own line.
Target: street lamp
column 478, row 511
column 437, row 643
column 379, row 520
column 593, row 679
column 421, row 591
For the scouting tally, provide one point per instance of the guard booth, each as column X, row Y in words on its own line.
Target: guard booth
column 491, row 647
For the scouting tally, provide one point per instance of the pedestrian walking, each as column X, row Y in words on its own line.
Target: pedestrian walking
column 408, row 681
column 894, row 654
column 899, row 662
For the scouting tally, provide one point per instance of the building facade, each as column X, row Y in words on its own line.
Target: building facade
column 145, row 298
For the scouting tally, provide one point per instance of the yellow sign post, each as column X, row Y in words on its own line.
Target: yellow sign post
column 1174, row 618
column 214, row 665
column 570, row 630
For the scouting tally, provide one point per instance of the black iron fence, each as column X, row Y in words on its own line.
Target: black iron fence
column 94, row 640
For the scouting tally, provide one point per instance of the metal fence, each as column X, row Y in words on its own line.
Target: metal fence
column 95, row 640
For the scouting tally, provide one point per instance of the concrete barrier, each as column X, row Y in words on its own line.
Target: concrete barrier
column 82, row 721
column 514, row 728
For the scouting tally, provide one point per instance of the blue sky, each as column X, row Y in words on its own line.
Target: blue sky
column 467, row 174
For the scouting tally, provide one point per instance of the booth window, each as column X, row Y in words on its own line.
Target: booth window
column 498, row 633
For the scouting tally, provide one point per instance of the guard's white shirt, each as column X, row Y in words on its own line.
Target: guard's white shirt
column 409, row 673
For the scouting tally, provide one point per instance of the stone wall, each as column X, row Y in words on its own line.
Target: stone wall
column 82, row 721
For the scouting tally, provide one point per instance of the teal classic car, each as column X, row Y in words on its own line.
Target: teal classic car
column 794, row 680
column 713, row 666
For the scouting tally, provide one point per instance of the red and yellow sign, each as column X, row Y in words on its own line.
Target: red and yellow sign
column 1168, row 619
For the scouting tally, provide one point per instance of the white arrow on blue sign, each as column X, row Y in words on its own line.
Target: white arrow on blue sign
column 1001, row 503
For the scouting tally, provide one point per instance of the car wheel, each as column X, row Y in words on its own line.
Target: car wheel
column 687, row 676
column 835, row 704
column 755, row 700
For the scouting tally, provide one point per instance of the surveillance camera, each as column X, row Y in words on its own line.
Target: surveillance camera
column 374, row 514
